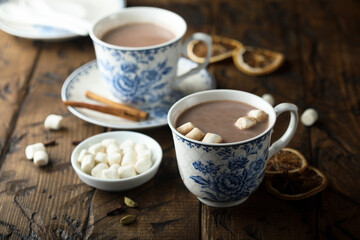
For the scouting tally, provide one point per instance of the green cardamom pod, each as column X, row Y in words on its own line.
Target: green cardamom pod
column 127, row 219
column 129, row 202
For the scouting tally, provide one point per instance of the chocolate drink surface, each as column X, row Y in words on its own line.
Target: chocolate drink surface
column 219, row 117
column 138, row 35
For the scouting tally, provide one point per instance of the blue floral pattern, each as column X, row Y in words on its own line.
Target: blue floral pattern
column 225, row 173
column 141, row 76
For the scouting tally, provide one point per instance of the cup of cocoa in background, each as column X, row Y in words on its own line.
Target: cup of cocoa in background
column 137, row 51
column 225, row 174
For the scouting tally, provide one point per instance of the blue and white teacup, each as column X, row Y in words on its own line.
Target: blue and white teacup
column 144, row 75
column 224, row 175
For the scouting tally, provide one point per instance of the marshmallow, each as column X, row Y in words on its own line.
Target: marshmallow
column 93, row 149
column 144, row 153
column 245, row 122
column 195, row 134
column 115, row 166
column 269, row 98
column 259, row 115
column 112, row 148
column 143, row 164
column 114, row 158
column 108, row 141
column 185, row 128
column 53, row 122
column 309, row 117
column 100, row 157
column 31, row 149
column 96, row 171
column 212, row 138
column 87, row 164
column 128, row 150
column 129, row 159
column 41, row 158
column 139, row 146
column 82, row 154
column 126, row 171
column 110, row 173
column 127, row 143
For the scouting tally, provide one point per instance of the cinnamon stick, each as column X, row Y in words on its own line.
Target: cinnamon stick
column 104, row 109
column 129, row 110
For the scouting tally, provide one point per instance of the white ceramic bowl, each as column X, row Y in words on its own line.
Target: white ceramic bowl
column 118, row 184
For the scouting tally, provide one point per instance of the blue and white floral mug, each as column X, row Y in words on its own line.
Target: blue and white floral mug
column 144, row 75
column 224, row 175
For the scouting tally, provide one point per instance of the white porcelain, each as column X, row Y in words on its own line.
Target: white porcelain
column 224, row 175
column 87, row 77
column 143, row 75
column 53, row 19
column 118, row 184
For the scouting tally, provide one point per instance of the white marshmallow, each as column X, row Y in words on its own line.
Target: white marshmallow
column 41, row 158
column 126, row 171
column 195, row 134
column 258, row 114
column 108, row 141
column 31, row 149
column 245, row 122
column 309, row 117
column 186, row 128
column 96, row 171
column 114, row 158
column 115, row 166
column 93, row 149
column 269, row 98
column 112, row 148
column 53, row 122
column 144, row 153
column 127, row 143
column 110, row 173
column 212, row 138
column 128, row 150
column 101, row 157
column 142, row 164
column 82, row 154
column 139, row 146
column 128, row 159
column 87, row 164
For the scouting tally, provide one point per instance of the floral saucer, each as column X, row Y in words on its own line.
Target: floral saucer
column 87, row 78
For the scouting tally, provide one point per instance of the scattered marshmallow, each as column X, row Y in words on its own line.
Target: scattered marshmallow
column 212, row 138
column 53, row 122
column 96, row 171
column 195, row 134
column 110, row 159
column 269, row 98
column 245, row 122
column 259, row 115
column 186, row 128
column 309, row 117
column 41, row 158
column 31, row 149
column 126, row 171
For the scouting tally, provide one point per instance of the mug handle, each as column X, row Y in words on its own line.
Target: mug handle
column 201, row 37
column 290, row 131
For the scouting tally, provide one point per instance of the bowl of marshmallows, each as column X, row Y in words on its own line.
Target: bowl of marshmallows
column 117, row 161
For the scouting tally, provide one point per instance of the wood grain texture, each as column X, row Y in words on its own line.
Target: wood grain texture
column 320, row 40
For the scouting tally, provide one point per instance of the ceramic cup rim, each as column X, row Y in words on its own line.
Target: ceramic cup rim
column 171, row 114
column 135, row 10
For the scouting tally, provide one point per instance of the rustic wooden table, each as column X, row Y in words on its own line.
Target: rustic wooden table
column 321, row 42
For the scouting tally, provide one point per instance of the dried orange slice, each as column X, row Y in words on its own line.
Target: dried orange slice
column 222, row 48
column 298, row 185
column 257, row 61
column 286, row 160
